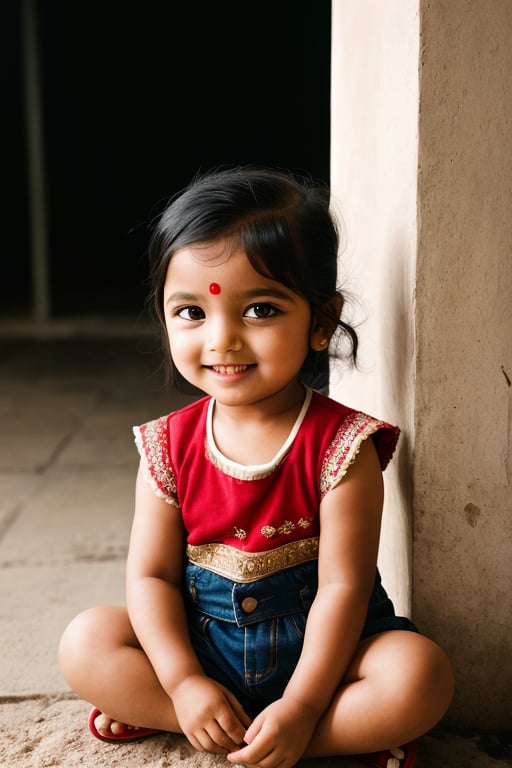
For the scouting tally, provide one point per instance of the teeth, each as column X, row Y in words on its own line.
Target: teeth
column 229, row 369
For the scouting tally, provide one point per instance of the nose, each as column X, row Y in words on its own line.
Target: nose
column 223, row 335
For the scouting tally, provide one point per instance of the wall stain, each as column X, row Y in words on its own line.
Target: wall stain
column 472, row 513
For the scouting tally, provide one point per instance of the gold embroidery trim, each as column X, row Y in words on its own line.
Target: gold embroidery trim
column 345, row 448
column 245, row 567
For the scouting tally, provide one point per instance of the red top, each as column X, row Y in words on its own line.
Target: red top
column 256, row 508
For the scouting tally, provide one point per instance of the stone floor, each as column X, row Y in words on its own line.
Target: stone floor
column 67, row 468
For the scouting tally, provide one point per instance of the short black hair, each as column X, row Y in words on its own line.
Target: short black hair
column 281, row 220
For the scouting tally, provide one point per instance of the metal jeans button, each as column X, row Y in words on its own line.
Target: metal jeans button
column 249, row 604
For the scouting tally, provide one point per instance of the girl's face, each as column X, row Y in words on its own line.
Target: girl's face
column 233, row 333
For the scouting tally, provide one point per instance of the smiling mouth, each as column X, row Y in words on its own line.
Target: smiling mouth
column 229, row 370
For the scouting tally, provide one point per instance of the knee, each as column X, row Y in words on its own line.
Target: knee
column 439, row 678
column 430, row 679
column 80, row 640
column 418, row 673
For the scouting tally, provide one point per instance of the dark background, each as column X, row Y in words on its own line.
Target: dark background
column 137, row 97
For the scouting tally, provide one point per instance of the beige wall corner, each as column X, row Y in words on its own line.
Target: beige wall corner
column 422, row 171
column 374, row 176
column 462, row 494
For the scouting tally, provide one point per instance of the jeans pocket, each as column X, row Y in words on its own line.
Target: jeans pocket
column 298, row 620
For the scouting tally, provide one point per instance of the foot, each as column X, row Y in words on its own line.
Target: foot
column 106, row 729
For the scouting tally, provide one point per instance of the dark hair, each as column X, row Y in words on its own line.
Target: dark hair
column 280, row 220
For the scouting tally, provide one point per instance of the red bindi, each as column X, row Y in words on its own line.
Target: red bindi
column 214, row 288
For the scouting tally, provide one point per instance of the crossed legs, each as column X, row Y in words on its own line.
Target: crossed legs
column 397, row 687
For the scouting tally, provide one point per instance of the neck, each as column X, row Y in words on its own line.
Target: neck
column 253, row 435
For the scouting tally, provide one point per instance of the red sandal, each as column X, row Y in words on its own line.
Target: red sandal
column 399, row 757
column 129, row 734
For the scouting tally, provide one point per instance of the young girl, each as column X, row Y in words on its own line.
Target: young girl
column 256, row 623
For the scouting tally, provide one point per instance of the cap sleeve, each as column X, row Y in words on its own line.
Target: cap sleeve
column 152, row 443
column 347, row 442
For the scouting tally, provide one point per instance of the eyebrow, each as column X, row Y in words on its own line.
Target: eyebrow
column 277, row 293
column 179, row 296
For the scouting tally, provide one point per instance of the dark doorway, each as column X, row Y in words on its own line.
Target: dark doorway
column 137, row 97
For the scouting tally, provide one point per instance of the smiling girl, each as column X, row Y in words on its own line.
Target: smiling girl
column 256, row 622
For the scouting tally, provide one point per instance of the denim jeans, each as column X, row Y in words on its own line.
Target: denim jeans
column 249, row 636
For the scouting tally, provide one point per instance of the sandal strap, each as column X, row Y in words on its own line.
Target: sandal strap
column 397, row 757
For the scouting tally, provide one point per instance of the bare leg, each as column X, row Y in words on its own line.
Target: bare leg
column 101, row 660
column 398, row 686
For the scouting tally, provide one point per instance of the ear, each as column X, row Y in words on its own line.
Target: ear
column 318, row 340
column 325, row 322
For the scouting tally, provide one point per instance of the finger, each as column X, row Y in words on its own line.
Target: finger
column 246, row 758
column 212, row 737
column 231, row 725
column 247, row 755
column 221, row 735
column 254, row 729
column 265, row 752
column 237, row 708
column 234, row 720
column 203, row 742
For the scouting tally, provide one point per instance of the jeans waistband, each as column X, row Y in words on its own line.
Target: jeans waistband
column 282, row 594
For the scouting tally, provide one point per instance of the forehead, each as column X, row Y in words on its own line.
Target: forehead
column 210, row 253
column 221, row 262
column 219, row 272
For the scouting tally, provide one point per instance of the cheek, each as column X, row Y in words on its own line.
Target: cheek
column 185, row 345
column 180, row 349
column 290, row 343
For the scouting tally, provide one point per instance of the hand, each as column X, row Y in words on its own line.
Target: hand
column 210, row 716
column 278, row 736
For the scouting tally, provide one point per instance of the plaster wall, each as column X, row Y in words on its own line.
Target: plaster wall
column 374, row 142
column 422, row 170
column 462, row 470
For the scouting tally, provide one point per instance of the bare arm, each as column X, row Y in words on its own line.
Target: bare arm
column 153, row 586
column 210, row 717
column 350, row 517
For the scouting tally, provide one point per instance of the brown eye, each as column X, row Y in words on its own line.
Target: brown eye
column 191, row 313
column 260, row 310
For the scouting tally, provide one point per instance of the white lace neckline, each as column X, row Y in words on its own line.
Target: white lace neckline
column 252, row 471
